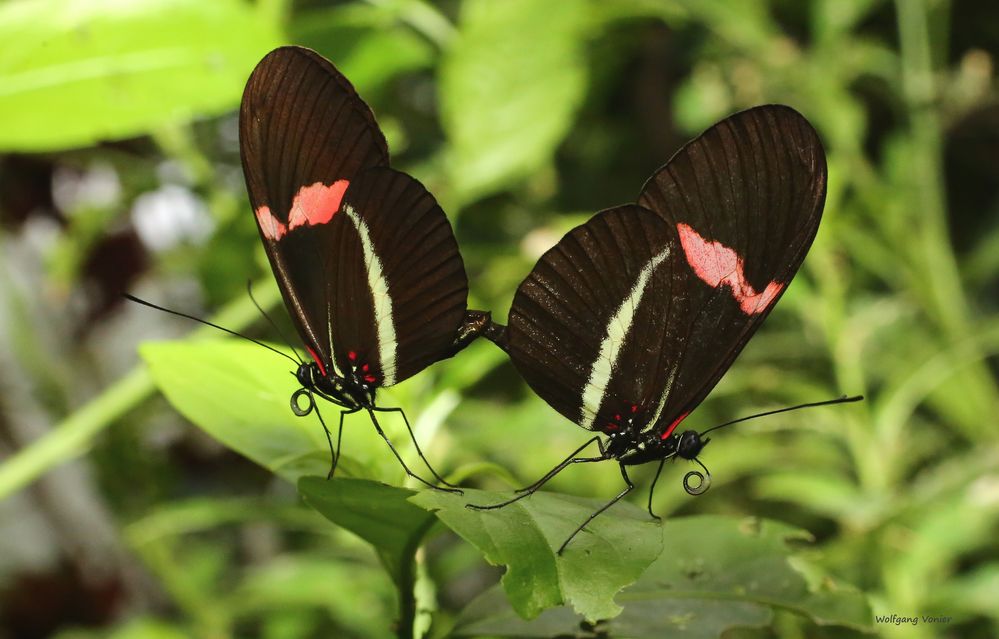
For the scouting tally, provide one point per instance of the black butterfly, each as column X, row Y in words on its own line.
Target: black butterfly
column 365, row 258
column 633, row 317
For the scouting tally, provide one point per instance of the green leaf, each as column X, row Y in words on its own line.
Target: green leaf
column 718, row 573
column 378, row 513
column 605, row 557
column 510, row 84
column 745, row 560
column 238, row 394
column 74, row 72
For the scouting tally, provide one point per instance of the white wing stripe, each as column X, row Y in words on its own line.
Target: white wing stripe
column 380, row 294
column 610, row 348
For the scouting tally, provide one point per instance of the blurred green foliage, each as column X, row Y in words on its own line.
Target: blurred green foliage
column 119, row 169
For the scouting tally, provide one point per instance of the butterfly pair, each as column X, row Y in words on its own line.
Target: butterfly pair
column 623, row 327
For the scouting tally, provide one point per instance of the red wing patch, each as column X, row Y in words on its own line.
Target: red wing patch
column 271, row 227
column 717, row 264
column 316, row 204
column 319, row 362
column 312, row 205
column 672, row 427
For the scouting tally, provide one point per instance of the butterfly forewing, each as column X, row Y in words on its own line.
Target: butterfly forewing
column 304, row 135
column 584, row 327
column 399, row 284
column 745, row 199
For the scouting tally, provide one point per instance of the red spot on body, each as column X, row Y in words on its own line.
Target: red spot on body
column 269, row 225
column 352, row 356
column 717, row 264
column 316, row 204
column 319, row 362
column 617, row 417
column 612, row 426
column 672, row 427
column 634, row 408
column 365, row 368
column 370, row 379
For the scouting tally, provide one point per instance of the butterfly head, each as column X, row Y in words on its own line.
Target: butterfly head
column 690, row 444
column 307, row 374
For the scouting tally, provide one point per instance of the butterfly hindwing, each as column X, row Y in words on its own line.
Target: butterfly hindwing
column 579, row 328
column 397, row 278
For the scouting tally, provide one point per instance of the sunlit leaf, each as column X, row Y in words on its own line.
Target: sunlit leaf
column 74, row 72
column 238, row 394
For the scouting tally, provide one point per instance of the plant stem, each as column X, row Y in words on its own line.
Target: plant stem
column 406, row 584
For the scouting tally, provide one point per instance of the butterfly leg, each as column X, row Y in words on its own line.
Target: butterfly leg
column 334, row 454
column 378, row 428
column 533, row 488
column 339, row 439
column 554, row 471
column 416, row 444
column 619, row 497
column 652, row 487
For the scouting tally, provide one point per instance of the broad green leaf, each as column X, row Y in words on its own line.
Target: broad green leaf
column 510, row 85
column 717, row 573
column 74, row 72
column 610, row 553
column 238, row 394
column 375, row 512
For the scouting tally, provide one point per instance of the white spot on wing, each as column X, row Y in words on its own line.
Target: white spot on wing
column 380, row 294
column 617, row 331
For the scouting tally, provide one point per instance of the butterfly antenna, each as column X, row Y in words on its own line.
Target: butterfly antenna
column 839, row 400
column 249, row 291
column 135, row 299
column 703, row 480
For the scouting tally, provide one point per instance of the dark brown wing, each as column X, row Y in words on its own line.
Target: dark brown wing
column 398, row 281
column 587, row 326
column 304, row 135
column 745, row 198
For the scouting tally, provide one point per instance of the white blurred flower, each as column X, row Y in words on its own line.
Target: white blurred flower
column 96, row 188
column 169, row 216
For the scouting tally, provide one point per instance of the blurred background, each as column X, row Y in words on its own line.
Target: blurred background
column 119, row 170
